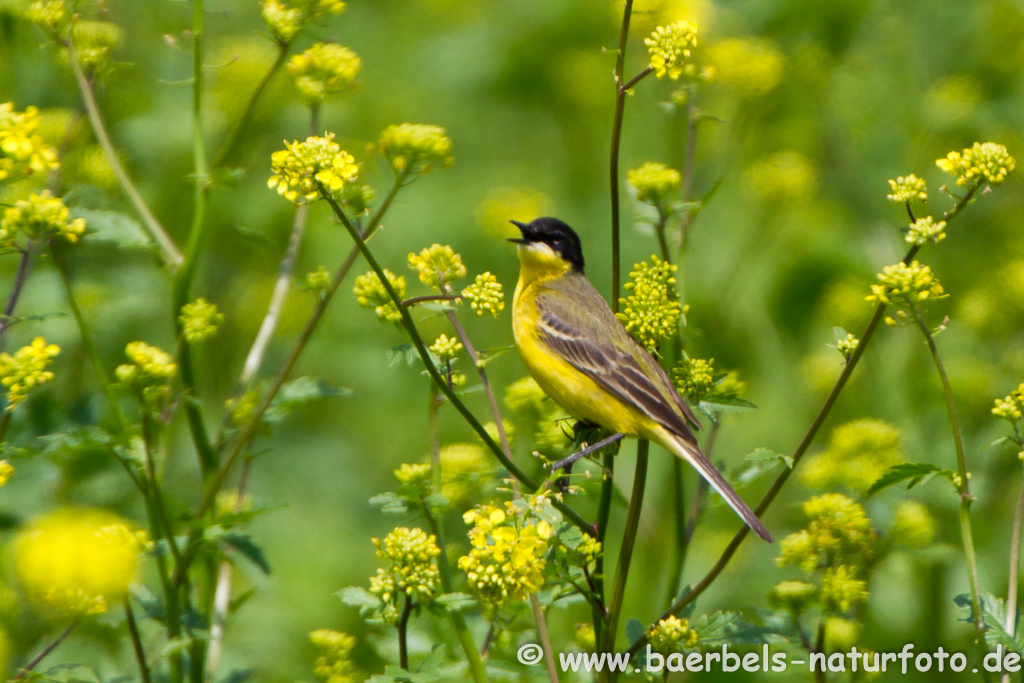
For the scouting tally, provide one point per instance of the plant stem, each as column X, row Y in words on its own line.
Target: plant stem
column 604, row 509
column 20, row 277
column 140, row 652
column 625, row 553
column 169, row 251
column 403, row 634
column 234, row 135
column 424, row 354
column 46, row 651
column 87, row 340
column 691, row 150
column 1011, row 591
column 473, row 657
column 965, row 494
column 636, row 79
column 5, row 423
column 613, row 166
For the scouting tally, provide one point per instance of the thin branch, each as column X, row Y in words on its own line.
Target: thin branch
column 16, row 289
column 403, row 634
column 169, row 251
column 613, row 166
column 1011, row 592
column 45, row 651
column 140, row 652
column 430, row 297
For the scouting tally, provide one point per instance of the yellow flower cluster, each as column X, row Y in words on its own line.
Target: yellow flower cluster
column 695, row 378
column 200, row 320
column 907, row 189
column 506, row 564
column 485, row 295
column 671, row 48
column 906, row 285
column 437, row 265
column 671, row 635
column 651, row 312
column 357, row 198
column 39, row 216
column 302, row 166
column 26, row 370
column 93, row 42
column 913, row 525
column 412, row 474
column 242, row 408
column 333, row 661
column 6, row 472
column 77, row 562
column 983, row 162
column 324, row 69
column 926, row 230
column 411, row 571
column 49, row 14
column 370, row 293
column 463, row 466
column 416, row 147
column 839, row 532
column 858, row 453
column 285, row 20
column 317, row 280
column 22, row 150
column 149, row 365
column 654, row 183
column 793, row 596
column 840, row 590
column 847, row 346
column 1011, row 407
column 446, row 348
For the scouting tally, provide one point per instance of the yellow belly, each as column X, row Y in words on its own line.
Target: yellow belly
column 576, row 393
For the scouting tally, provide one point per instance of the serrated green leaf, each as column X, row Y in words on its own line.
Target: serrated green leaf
column 635, row 630
column 111, row 226
column 298, row 392
column 402, row 353
column 391, row 503
column 456, row 601
column 913, row 473
column 249, row 549
column 70, row 673
column 997, row 442
column 764, row 454
column 358, row 597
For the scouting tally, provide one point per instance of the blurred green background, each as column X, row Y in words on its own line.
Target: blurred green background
column 819, row 104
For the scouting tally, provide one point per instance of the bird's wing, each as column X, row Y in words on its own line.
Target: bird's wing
column 577, row 324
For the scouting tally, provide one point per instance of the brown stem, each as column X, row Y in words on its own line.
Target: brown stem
column 16, row 289
column 403, row 634
column 140, row 652
column 430, row 297
column 636, row 79
column 45, row 651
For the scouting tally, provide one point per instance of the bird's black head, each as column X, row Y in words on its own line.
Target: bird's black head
column 562, row 239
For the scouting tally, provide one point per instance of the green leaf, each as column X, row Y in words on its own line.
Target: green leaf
column 455, row 601
column 245, row 545
column 70, row 673
column 298, row 392
column 635, row 630
column 998, row 442
column 402, row 353
column 238, row 676
column 114, row 227
column 391, row 503
column 913, row 473
column 764, row 454
column 994, row 611
column 358, row 597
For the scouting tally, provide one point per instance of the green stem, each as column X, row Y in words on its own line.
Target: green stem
column 403, row 634
column 613, row 166
column 87, row 340
column 965, row 494
column 234, row 135
column 604, row 510
column 186, row 274
column 45, row 652
column 1011, row 590
column 168, row 249
column 625, row 553
column 140, row 651
column 20, row 278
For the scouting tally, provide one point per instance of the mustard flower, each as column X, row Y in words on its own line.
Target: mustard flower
column 753, row 67
column 26, row 370
column 149, row 365
column 416, row 147
column 672, row 635
column 38, row 217
column 983, row 162
column 357, row 198
column 485, row 295
column 840, row 590
column 93, row 42
column 285, row 20
column 333, row 661
column 51, row 15
column 22, row 150
column 1011, row 407
column 200, row 320
column 446, row 348
column 6, row 472
column 840, row 634
column 229, row 505
column 671, row 48
column 410, row 554
column 651, row 312
column 926, row 230
column 913, row 526
column 847, row 345
column 907, row 189
column 585, row 637
column 370, row 293
column 437, row 266
column 510, row 431
column 77, row 562
column 839, row 532
column 413, row 474
column 655, row 183
column 242, row 408
column 317, row 281
column 793, row 596
column 301, row 166
column 906, row 285
column 695, row 378
column 858, row 453
column 324, row 69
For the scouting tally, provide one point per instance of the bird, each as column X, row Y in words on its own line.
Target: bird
column 579, row 353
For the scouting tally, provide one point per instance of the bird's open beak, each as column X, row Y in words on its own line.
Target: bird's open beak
column 523, row 227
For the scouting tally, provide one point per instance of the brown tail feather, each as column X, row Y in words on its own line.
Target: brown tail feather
column 693, row 455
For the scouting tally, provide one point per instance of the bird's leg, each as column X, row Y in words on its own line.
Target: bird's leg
column 566, row 463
